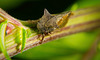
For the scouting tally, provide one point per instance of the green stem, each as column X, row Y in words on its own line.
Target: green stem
column 2, row 39
column 29, row 23
column 24, row 37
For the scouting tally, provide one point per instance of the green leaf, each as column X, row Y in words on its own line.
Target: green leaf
column 3, row 26
column 28, row 32
column 18, row 38
column 21, row 36
column 24, row 36
column 74, row 7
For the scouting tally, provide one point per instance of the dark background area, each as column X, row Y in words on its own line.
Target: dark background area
column 32, row 9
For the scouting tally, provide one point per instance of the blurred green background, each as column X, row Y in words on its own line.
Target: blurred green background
column 71, row 47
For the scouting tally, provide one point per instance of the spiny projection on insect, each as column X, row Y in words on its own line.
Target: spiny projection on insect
column 50, row 22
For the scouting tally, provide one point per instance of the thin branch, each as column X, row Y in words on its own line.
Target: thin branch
column 79, row 22
column 93, row 49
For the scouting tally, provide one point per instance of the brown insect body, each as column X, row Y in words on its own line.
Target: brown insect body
column 42, row 24
column 49, row 23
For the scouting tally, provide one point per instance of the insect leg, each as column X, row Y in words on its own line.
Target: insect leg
column 50, row 35
column 43, row 35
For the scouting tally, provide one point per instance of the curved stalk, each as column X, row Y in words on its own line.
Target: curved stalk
column 3, row 26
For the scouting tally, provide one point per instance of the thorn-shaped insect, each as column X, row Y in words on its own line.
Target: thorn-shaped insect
column 50, row 22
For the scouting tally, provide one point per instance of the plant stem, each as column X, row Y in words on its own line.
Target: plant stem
column 92, row 50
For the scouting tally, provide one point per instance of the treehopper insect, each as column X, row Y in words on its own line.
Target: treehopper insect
column 49, row 22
